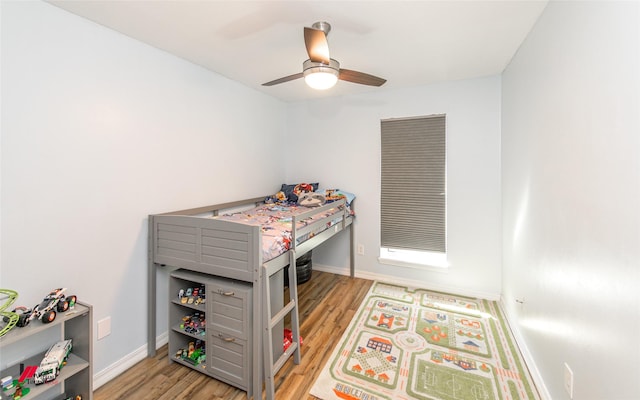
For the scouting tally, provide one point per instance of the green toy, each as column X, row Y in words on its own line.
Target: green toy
column 10, row 318
column 20, row 392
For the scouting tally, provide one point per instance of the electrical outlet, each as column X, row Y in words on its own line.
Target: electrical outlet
column 104, row 327
column 568, row 380
column 361, row 249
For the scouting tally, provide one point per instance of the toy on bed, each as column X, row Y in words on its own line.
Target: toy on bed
column 332, row 195
column 289, row 194
column 278, row 198
column 311, row 199
column 308, row 195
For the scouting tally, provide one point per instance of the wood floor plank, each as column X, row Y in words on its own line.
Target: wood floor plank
column 327, row 303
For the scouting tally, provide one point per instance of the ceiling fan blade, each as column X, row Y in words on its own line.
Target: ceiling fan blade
column 317, row 45
column 283, row 80
column 360, row 77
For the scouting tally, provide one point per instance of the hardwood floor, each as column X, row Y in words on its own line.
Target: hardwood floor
column 327, row 304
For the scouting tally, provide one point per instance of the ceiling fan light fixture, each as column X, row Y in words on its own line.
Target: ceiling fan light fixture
column 321, row 76
column 320, row 80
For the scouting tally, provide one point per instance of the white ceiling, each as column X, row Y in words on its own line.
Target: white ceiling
column 409, row 43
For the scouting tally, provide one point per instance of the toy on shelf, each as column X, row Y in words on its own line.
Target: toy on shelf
column 194, row 354
column 54, row 359
column 194, row 295
column 194, row 324
column 26, row 374
column 7, row 382
column 11, row 318
column 55, row 301
column 20, row 392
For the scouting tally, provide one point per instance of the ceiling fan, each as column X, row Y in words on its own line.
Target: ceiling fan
column 320, row 71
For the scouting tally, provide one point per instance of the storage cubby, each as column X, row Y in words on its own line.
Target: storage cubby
column 215, row 322
column 27, row 346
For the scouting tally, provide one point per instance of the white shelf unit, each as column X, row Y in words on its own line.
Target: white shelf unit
column 76, row 377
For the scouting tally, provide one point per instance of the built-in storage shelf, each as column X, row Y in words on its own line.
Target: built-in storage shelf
column 226, row 334
column 199, row 307
column 76, row 377
column 178, row 329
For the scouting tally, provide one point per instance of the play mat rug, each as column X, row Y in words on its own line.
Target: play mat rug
column 406, row 343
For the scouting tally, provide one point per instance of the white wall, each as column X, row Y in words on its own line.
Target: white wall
column 571, row 196
column 341, row 141
column 98, row 131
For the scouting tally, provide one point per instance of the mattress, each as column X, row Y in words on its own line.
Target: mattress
column 275, row 221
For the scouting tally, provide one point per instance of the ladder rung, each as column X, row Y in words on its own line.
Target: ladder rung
column 282, row 313
column 284, row 357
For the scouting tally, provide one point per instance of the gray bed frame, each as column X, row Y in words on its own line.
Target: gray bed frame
column 189, row 239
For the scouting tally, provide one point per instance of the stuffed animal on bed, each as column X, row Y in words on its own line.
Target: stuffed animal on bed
column 311, row 199
column 306, row 196
column 279, row 197
column 302, row 188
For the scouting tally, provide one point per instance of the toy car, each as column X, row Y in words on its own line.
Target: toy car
column 53, row 361
column 46, row 310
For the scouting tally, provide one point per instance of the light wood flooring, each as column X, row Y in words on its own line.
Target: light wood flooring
column 327, row 303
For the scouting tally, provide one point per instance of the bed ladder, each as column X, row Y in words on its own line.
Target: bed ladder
column 268, row 323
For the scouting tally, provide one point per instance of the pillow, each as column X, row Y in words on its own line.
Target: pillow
column 292, row 191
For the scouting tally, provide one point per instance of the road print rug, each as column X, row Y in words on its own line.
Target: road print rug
column 408, row 343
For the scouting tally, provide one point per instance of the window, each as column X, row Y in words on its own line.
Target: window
column 413, row 191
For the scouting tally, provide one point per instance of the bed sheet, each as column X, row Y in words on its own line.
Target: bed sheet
column 275, row 222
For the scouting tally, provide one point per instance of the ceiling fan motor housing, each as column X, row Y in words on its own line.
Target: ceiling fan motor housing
column 311, row 67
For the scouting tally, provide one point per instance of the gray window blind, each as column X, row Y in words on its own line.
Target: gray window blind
column 413, row 183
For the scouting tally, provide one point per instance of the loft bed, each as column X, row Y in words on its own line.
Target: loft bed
column 203, row 239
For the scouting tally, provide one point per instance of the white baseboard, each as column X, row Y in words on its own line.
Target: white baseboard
column 126, row 362
column 409, row 282
column 526, row 354
column 330, row 269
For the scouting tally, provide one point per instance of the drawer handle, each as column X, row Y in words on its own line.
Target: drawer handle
column 222, row 292
column 226, row 339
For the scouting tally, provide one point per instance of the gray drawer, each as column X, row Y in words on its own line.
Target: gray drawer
column 228, row 308
column 228, row 359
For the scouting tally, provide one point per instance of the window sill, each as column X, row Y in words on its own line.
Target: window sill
column 427, row 262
